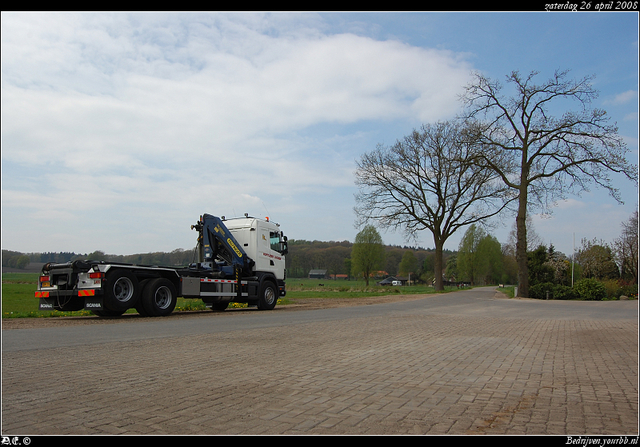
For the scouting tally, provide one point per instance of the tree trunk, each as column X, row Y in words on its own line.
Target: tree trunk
column 521, row 245
column 438, row 265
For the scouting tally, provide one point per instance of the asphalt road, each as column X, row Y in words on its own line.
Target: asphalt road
column 467, row 362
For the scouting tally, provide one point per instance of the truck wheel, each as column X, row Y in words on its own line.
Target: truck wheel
column 159, row 298
column 122, row 290
column 139, row 306
column 268, row 296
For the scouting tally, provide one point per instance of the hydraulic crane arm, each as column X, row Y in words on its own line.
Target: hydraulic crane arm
column 216, row 241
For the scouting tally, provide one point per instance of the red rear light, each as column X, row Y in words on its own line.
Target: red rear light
column 96, row 275
column 44, row 281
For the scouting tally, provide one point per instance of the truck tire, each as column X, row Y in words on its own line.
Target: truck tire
column 159, row 298
column 268, row 296
column 122, row 291
column 139, row 306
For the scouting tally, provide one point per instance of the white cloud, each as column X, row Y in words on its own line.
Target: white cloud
column 232, row 96
column 202, row 112
column 624, row 98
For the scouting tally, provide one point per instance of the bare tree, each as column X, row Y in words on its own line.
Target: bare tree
column 533, row 238
column 626, row 247
column 427, row 181
column 539, row 156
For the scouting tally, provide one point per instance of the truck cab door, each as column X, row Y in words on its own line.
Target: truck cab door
column 270, row 247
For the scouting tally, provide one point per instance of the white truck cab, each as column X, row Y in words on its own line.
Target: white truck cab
column 262, row 241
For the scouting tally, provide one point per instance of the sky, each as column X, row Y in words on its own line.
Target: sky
column 120, row 129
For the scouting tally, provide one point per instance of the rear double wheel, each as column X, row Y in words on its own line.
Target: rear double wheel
column 159, row 298
column 121, row 292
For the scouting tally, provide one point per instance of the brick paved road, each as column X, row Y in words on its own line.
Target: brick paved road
column 423, row 367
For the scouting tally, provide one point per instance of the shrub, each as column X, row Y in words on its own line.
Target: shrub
column 630, row 290
column 590, row 289
column 612, row 288
column 561, row 292
column 540, row 290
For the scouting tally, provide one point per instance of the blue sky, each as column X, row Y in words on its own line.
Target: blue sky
column 120, row 129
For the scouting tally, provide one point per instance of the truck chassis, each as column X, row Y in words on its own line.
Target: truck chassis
column 109, row 289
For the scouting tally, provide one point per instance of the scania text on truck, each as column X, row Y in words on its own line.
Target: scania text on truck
column 239, row 260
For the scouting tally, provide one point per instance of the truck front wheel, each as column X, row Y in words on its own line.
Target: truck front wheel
column 159, row 297
column 268, row 296
column 121, row 290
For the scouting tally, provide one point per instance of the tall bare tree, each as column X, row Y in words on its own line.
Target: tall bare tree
column 427, row 181
column 626, row 247
column 539, row 155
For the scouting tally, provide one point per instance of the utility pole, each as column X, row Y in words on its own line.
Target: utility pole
column 573, row 257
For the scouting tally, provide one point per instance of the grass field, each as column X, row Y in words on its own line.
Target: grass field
column 328, row 288
column 18, row 300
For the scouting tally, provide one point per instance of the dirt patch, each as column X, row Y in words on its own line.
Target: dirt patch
column 301, row 304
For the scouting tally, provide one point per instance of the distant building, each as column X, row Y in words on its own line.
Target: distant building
column 317, row 274
column 394, row 281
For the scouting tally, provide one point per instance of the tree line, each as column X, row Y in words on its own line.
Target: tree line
column 303, row 256
column 19, row 260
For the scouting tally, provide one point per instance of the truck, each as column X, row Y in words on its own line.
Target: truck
column 238, row 260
